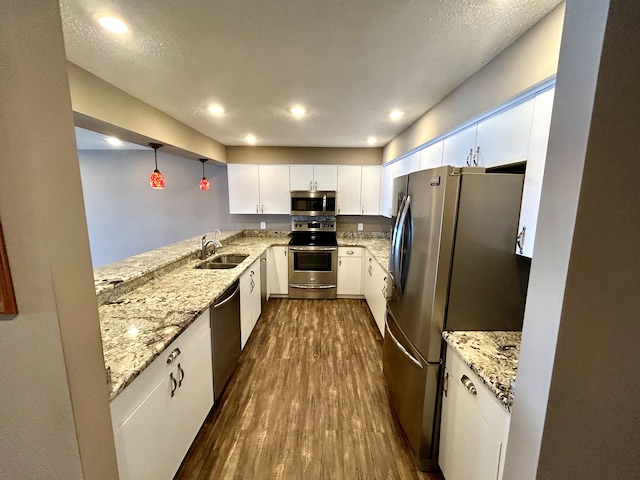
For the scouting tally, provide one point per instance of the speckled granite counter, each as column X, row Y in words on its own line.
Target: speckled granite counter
column 493, row 356
column 155, row 296
column 378, row 245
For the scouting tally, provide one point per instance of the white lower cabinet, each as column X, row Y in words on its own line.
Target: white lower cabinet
column 474, row 426
column 250, row 303
column 156, row 418
column 349, row 271
column 375, row 289
column 278, row 270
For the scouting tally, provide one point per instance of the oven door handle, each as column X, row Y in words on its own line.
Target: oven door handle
column 313, row 249
column 311, row 287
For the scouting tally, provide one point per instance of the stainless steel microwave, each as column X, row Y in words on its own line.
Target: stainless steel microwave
column 313, row 203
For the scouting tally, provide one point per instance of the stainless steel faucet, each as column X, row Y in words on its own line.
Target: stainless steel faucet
column 204, row 245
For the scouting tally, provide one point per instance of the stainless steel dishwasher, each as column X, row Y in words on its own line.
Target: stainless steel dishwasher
column 225, row 336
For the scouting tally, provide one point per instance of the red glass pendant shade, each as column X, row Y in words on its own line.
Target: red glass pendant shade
column 204, row 183
column 156, row 180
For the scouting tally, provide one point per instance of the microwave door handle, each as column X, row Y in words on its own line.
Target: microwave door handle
column 324, row 203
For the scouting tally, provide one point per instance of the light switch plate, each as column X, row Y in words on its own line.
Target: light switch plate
column 360, row 227
column 263, row 225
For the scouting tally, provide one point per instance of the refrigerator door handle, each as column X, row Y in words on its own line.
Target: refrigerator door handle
column 398, row 257
column 400, row 346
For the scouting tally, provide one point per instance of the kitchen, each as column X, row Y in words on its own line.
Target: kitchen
column 57, row 247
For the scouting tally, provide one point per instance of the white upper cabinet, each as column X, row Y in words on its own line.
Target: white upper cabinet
column 244, row 188
column 504, row 137
column 536, row 158
column 431, row 156
column 412, row 163
column 313, row 177
column 389, row 172
column 348, row 192
column 458, row 148
column 274, row 189
column 371, row 184
column 258, row 188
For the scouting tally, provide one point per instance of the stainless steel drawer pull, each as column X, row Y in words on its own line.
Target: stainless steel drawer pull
column 350, row 252
column 181, row 378
column 468, row 384
column 172, row 356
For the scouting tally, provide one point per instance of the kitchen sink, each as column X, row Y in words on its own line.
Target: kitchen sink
column 222, row 262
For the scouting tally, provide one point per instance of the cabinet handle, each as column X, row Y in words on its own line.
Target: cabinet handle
column 257, row 210
column 174, row 384
column 262, row 209
column 316, row 185
column 468, row 384
column 469, row 157
column 350, row 252
column 285, row 252
column 445, row 384
column 476, row 156
column 310, row 185
column 340, row 262
column 362, row 210
column 172, row 356
column 338, row 209
column 369, row 270
column 181, row 378
column 520, row 239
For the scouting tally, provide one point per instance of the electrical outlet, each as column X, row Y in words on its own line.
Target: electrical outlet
column 360, row 227
column 263, row 225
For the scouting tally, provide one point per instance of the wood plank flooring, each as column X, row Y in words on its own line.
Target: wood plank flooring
column 307, row 401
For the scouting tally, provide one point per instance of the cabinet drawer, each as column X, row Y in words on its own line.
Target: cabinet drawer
column 490, row 409
column 350, row 251
column 134, row 394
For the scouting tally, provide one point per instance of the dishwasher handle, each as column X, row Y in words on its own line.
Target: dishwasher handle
column 228, row 299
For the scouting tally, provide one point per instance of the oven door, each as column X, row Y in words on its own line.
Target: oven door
column 313, row 272
column 313, row 203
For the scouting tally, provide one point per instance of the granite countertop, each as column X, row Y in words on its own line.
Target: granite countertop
column 492, row 356
column 158, row 298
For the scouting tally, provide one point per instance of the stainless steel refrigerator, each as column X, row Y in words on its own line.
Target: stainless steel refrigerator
column 453, row 267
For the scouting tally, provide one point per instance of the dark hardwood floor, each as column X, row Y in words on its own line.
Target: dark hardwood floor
column 307, row 401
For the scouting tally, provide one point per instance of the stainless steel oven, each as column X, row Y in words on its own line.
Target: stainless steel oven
column 316, row 203
column 313, row 258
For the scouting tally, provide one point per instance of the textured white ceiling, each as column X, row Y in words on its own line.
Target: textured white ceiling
column 349, row 62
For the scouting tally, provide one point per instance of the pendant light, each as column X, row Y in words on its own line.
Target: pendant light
column 204, row 183
column 156, row 180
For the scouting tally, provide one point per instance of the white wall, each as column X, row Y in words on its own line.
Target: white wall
column 576, row 412
column 125, row 216
column 54, row 403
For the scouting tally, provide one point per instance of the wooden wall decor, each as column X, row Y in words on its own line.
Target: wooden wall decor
column 8, row 306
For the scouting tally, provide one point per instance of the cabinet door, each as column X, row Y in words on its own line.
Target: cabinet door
column 468, row 446
column 348, row 193
column 504, row 137
column 279, row 270
column 300, row 177
column 246, row 306
column 370, row 190
column 350, row 271
column 412, row 163
column 431, row 156
column 379, row 295
column 274, row 189
column 457, row 149
column 325, row 177
column 389, row 172
column 256, row 301
column 535, row 170
column 244, row 188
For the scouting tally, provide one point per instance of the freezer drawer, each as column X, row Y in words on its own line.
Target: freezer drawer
column 413, row 388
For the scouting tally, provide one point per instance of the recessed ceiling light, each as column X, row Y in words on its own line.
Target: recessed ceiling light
column 298, row 111
column 372, row 140
column 250, row 138
column 114, row 141
column 217, row 110
column 396, row 114
column 113, row 24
